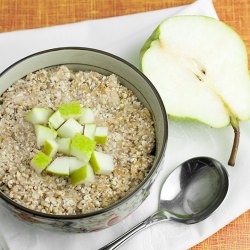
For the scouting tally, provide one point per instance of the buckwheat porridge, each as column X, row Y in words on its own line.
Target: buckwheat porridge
column 131, row 140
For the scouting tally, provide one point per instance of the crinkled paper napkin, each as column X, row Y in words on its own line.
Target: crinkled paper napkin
column 124, row 36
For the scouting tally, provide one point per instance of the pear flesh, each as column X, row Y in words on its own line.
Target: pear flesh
column 200, row 67
column 102, row 163
column 70, row 128
column 89, row 130
column 74, row 164
column 60, row 166
column 38, row 115
column 87, row 116
column 56, row 120
column 43, row 134
column 50, row 148
column 64, row 145
column 101, row 134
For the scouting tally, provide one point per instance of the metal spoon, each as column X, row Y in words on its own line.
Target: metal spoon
column 189, row 195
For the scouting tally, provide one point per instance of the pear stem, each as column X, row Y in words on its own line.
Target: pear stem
column 232, row 158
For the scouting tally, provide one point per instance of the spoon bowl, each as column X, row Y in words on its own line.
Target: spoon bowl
column 193, row 191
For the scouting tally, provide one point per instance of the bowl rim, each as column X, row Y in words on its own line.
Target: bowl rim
column 153, row 170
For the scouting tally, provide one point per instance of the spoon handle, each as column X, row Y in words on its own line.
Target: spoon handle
column 156, row 217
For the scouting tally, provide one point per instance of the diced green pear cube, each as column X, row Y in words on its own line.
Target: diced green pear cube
column 70, row 128
column 74, row 164
column 101, row 134
column 70, row 110
column 82, row 175
column 102, row 163
column 38, row 115
column 40, row 161
column 64, row 145
column 82, row 147
column 43, row 134
column 89, row 130
column 50, row 148
column 56, row 120
column 87, row 116
column 60, row 166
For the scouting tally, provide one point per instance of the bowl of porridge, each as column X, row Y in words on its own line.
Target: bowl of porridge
column 128, row 114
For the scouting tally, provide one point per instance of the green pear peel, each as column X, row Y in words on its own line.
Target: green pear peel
column 40, row 161
column 82, row 147
column 70, row 110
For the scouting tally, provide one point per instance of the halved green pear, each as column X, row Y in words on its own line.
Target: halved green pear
column 82, row 147
column 199, row 66
column 89, row 130
column 50, row 148
column 60, row 166
column 87, row 116
column 56, row 120
column 38, row 115
column 70, row 110
column 102, row 163
column 64, row 145
column 101, row 134
column 43, row 134
column 70, row 128
column 82, row 175
column 40, row 161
